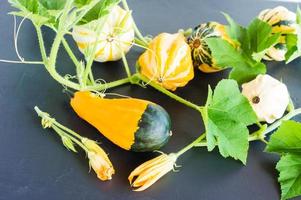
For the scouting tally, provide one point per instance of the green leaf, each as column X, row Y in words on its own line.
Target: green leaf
column 250, row 46
column 30, row 9
column 287, row 139
column 261, row 37
column 226, row 117
column 236, row 31
column 225, row 55
column 53, row 4
column 291, row 45
column 289, row 167
column 246, row 72
column 45, row 12
column 99, row 10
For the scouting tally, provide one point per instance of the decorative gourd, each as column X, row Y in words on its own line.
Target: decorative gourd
column 167, row 61
column 268, row 97
column 282, row 21
column 201, row 54
column 132, row 124
column 115, row 37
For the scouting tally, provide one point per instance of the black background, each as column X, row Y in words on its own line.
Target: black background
column 34, row 164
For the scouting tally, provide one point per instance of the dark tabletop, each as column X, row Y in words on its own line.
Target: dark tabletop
column 34, row 164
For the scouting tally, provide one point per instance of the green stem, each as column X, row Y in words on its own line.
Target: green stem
column 67, row 130
column 170, row 94
column 139, row 42
column 138, row 33
column 46, row 116
column 91, row 77
column 126, row 65
column 191, row 145
column 70, row 53
column 54, row 49
column 276, row 124
column 22, row 62
column 62, row 133
column 41, row 44
column 112, row 84
column 60, row 129
column 51, row 70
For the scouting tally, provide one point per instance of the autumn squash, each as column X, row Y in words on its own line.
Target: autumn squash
column 201, row 53
column 132, row 124
column 115, row 38
column 282, row 21
column 167, row 61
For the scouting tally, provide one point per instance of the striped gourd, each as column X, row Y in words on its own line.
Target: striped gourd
column 116, row 36
column 167, row 61
column 282, row 21
column 201, row 54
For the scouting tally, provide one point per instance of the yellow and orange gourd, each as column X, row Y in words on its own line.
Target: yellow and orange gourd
column 132, row 124
column 167, row 61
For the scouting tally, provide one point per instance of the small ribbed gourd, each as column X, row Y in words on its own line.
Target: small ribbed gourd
column 201, row 53
column 114, row 39
column 167, row 61
column 282, row 21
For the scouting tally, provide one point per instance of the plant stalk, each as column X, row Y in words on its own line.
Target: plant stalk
column 170, row 94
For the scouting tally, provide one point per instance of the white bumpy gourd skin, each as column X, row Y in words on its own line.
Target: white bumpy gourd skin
column 268, row 97
column 115, row 37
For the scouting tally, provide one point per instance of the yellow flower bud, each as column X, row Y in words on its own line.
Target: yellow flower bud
column 151, row 171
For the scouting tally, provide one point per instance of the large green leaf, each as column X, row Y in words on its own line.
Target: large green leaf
column 225, row 55
column 101, row 9
column 287, row 139
column 289, row 167
column 226, row 116
column 45, row 12
column 244, row 55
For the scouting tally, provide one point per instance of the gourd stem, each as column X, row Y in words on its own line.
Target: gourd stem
column 22, row 62
column 260, row 135
column 170, row 94
column 91, row 57
column 112, row 84
column 276, row 124
column 138, row 33
column 191, row 145
column 51, row 70
column 70, row 53
column 125, row 64
column 140, row 43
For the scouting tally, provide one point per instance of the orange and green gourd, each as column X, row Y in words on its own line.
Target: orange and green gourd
column 132, row 124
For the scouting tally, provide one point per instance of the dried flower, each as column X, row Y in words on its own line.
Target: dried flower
column 99, row 160
column 268, row 97
column 149, row 172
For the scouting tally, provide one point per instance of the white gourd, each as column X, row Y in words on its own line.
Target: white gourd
column 116, row 36
column 268, row 97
